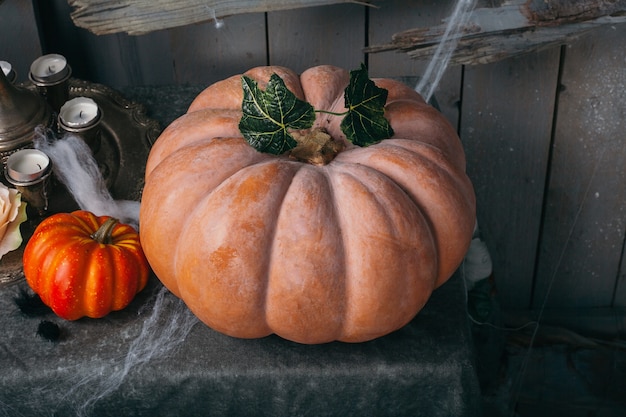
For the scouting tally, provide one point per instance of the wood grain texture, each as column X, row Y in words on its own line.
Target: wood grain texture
column 585, row 218
column 303, row 38
column 115, row 60
column 553, row 12
column 205, row 53
column 19, row 40
column 510, row 29
column 138, row 17
column 506, row 119
column 395, row 15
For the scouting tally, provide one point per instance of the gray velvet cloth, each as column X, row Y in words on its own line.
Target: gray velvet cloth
column 424, row 369
column 105, row 367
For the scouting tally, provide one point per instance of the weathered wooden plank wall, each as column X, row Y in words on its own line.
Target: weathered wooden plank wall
column 543, row 132
column 302, row 38
column 19, row 39
column 506, row 124
column 585, row 218
column 396, row 15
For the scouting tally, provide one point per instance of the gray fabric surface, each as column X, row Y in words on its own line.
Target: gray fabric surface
column 424, row 369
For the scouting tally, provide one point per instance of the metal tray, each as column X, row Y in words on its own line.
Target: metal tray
column 127, row 135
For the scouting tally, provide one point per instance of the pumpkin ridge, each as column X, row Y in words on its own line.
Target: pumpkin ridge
column 451, row 171
column 206, row 151
column 418, row 284
column 272, row 235
column 94, row 287
column 221, row 245
column 123, row 287
column 421, row 122
column 438, row 160
column 71, row 283
column 434, row 155
column 88, row 223
column 336, row 214
column 374, row 170
column 299, row 259
column 178, row 134
column 47, row 287
column 40, row 250
column 96, row 291
column 458, row 191
column 343, row 165
column 114, row 254
column 344, row 331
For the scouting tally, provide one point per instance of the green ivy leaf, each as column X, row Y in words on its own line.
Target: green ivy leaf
column 267, row 115
column 365, row 123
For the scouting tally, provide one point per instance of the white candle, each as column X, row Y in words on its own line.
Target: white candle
column 49, row 68
column 27, row 165
column 6, row 67
column 79, row 112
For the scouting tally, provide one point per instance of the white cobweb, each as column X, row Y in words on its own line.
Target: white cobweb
column 170, row 321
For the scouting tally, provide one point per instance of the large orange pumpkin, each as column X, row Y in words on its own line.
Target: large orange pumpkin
column 257, row 244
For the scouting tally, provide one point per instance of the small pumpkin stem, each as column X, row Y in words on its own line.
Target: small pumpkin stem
column 104, row 232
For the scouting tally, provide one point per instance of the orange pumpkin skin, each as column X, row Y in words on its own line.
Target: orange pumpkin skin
column 257, row 244
column 77, row 276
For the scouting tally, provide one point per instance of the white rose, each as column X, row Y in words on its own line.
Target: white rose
column 12, row 214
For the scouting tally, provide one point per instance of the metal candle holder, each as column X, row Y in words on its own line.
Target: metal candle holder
column 50, row 73
column 8, row 71
column 29, row 171
column 81, row 116
column 21, row 112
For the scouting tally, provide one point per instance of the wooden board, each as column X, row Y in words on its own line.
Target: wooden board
column 205, row 53
column 302, row 38
column 138, row 17
column 120, row 60
column 506, row 119
column 384, row 21
column 113, row 60
column 585, row 219
column 494, row 32
column 195, row 54
column 19, row 39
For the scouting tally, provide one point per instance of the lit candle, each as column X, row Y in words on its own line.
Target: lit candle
column 27, row 166
column 29, row 171
column 81, row 116
column 6, row 67
column 51, row 74
column 49, row 68
column 79, row 112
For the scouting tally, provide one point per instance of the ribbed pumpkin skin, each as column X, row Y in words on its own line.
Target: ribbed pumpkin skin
column 75, row 275
column 257, row 244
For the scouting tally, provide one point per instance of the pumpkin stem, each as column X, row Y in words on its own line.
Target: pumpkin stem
column 104, row 232
column 315, row 146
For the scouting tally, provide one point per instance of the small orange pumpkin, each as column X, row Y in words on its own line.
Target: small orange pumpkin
column 350, row 250
column 82, row 265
